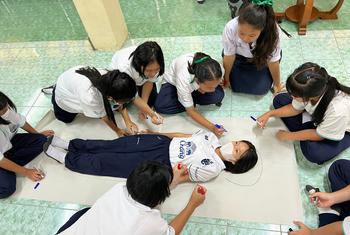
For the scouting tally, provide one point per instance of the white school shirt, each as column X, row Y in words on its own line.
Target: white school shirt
column 117, row 213
column 198, row 154
column 8, row 131
column 178, row 76
column 75, row 93
column 336, row 120
column 233, row 44
column 346, row 226
column 122, row 62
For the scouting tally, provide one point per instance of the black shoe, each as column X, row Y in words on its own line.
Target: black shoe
column 218, row 104
column 48, row 90
column 200, row 1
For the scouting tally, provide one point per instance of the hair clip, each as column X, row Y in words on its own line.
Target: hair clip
column 262, row 2
column 200, row 60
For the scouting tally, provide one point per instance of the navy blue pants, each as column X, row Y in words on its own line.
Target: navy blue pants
column 245, row 77
column 314, row 151
column 339, row 177
column 167, row 101
column 74, row 218
column 116, row 158
column 25, row 147
column 60, row 113
column 152, row 97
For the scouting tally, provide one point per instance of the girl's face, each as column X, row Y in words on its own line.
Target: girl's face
column 248, row 33
column 151, row 70
column 239, row 148
column 208, row 86
column 4, row 110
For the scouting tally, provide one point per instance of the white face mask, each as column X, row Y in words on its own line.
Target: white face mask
column 226, row 151
column 9, row 115
column 154, row 78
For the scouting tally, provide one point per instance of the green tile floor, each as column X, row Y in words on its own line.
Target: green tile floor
column 25, row 67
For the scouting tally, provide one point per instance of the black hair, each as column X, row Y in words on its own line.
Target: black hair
column 120, row 86
column 146, row 53
column 204, row 68
column 149, row 183
column 262, row 18
column 247, row 161
column 311, row 80
column 4, row 101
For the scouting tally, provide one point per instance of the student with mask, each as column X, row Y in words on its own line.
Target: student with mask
column 201, row 153
column 17, row 149
column 93, row 92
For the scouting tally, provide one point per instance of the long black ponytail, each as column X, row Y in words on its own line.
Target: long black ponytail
column 118, row 85
column 261, row 17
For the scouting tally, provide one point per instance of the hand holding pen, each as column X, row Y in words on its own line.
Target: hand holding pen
column 157, row 119
column 218, row 130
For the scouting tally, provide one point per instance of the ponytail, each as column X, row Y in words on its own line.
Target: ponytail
column 118, row 85
column 260, row 15
column 310, row 80
column 4, row 102
column 204, row 68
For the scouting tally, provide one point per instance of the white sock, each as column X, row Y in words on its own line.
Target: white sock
column 56, row 153
column 59, row 142
column 328, row 211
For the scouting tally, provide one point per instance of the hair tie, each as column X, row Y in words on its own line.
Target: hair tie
column 262, row 2
column 200, row 60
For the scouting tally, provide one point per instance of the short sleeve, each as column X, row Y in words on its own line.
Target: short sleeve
column 334, row 124
column 183, row 88
column 203, row 173
column 228, row 39
column 298, row 105
column 153, row 225
column 346, row 226
column 92, row 103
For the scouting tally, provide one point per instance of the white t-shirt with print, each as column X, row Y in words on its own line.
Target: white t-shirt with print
column 122, row 62
column 233, row 44
column 75, row 93
column 8, row 131
column 336, row 120
column 198, row 154
column 117, row 213
column 178, row 76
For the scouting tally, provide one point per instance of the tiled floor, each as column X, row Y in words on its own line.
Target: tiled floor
column 25, row 67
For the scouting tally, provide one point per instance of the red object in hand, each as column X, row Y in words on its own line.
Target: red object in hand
column 201, row 190
column 179, row 166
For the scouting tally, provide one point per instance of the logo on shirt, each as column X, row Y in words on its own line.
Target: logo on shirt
column 186, row 148
column 206, row 162
column 206, row 137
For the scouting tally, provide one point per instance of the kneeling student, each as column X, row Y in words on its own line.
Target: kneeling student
column 131, row 208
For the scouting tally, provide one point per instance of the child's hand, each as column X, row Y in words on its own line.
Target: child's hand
column 33, row 174
column 218, row 131
column 198, row 196
column 121, row 132
column 47, row 133
column 157, row 119
column 283, row 135
column 324, row 200
column 304, row 230
column 180, row 174
column 132, row 127
column 142, row 115
column 263, row 119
